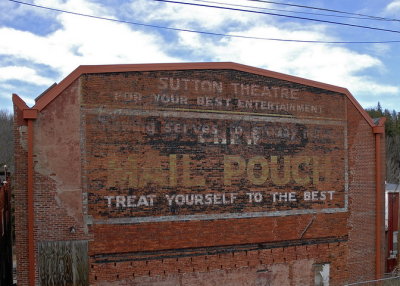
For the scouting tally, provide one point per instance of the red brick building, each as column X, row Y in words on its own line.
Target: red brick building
column 6, row 264
column 197, row 174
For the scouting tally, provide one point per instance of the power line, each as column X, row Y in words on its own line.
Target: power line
column 370, row 281
column 202, row 32
column 296, row 12
column 324, row 9
column 280, row 15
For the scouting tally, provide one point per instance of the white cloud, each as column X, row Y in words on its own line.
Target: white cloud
column 28, row 100
column 8, row 102
column 12, row 11
column 380, row 50
column 82, row 40
column 393, row 8
column 24, row 74
column 321, row 62
column 376, row 88
column 6, row 86
column 187, row 16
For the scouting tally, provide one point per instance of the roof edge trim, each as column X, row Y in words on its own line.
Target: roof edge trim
column 18, row 102
column 53, row 92
column 379, row 128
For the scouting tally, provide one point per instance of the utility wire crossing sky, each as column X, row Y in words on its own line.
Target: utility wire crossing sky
column 352, row 46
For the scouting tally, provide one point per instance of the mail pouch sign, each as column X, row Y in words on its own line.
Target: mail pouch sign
column 184, row 145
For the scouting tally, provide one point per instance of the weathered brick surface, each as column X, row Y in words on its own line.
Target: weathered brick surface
column 5, row 231
column 20, row 197
column 235, row 268
column 109, row 137
column 362, row 196
column 57, row 187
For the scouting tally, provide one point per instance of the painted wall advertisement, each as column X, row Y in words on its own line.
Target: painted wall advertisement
column 166, row 147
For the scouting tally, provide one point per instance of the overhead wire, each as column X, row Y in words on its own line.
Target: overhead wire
column 200, row 32
column 323, row 9
column 295, row 12
column 280, row 15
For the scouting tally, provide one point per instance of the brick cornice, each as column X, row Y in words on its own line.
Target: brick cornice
column 53, row 92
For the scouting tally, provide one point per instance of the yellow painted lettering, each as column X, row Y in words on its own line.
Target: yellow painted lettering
column 188, row 179
column 321, row 170
column 299, row 164
column 233, row 166
column 263, row 172
column 172, row 170
column 276, row 171
column 122, row 172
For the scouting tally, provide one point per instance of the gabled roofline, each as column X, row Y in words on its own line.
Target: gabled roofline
column 18, row 102
column 54, row 91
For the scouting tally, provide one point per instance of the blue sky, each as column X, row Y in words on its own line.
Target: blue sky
column 39, row 47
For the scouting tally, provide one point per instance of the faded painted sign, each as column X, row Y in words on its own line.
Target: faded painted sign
column 178, row 148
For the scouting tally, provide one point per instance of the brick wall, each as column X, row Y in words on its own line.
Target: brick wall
column 57, row 179
column 5, row 230
column 361, row 223
column 20, row 196
column 113, row 148
column 292, row 265
column 106, row 142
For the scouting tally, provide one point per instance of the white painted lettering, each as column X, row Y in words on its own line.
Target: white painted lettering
column 109, row 198
column 120, row 201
